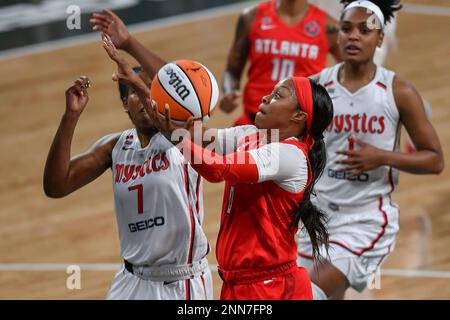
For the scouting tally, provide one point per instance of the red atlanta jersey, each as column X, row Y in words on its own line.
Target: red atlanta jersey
column 278, row 52
column 256, row 231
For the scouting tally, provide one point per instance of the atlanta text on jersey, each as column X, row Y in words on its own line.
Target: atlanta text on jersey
column 146, row 224
column 293, row 49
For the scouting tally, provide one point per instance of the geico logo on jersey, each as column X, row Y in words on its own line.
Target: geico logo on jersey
column 146, row 224
column 126, row 172
column 344, row 175
column 293, row 49
column 357, row 123
column 177, row 82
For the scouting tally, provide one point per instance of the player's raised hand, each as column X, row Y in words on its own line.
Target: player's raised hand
column 124, row 72
column 172, row 131
column 230, row 101
column 109, row 23
column 77, row 95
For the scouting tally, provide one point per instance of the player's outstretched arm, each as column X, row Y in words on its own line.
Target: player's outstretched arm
column 63, row 175
column 332, row 35
column 109, row 23
column 237, row 58
column 125, row 73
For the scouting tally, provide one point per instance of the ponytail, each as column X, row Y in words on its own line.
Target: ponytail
column 314, row 219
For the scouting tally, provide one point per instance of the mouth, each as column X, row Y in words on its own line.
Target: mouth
column 261, row 111
column 352, row 49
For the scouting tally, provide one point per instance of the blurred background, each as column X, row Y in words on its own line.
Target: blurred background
column 43, row 49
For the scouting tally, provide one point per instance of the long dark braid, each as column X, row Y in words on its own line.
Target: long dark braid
column 313, row 219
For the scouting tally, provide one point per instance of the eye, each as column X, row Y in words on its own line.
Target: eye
column 276, row 95
column 346, row 29
column 365, row 30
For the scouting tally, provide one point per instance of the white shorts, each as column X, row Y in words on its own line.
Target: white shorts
column 139, row 286
column 360, row 239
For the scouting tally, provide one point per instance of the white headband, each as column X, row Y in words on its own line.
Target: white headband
column 370, row 6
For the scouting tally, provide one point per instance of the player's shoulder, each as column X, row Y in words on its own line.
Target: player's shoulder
column 404, row 91
column 248, row 15
column 109, row 140
column 326, row 75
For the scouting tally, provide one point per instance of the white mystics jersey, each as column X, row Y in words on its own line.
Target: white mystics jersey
column 372, row 116
column 158, row 201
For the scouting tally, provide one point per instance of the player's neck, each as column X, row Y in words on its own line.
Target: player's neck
column 361, row 73
column 294, row 9
column 145, row 135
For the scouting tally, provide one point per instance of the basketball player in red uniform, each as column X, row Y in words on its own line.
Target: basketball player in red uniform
column 268, row 193
column 279, row 38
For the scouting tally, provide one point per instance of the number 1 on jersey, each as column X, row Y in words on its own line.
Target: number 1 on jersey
column 140, row 190
column 282, row 69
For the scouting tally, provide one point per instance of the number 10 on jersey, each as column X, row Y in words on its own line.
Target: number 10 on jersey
column 282, row 69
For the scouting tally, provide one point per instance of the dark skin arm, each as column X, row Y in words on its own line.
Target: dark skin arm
column 109, row 23
column 428, row 158
column 332, row 35
column 126, row 75
column 63, row 175
column 237, row 58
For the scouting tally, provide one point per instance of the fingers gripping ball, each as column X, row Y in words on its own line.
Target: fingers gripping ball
column 188, row 87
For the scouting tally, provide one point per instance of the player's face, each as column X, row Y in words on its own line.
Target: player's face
column 135, row 109
column 359, row 35
column 277, row 109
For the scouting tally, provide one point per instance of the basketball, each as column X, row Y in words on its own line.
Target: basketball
column 188, row 87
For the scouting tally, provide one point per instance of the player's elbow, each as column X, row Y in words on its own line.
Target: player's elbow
column 439, row 165
column 53, row 191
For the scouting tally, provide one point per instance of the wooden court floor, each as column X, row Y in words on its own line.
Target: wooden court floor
column 82, row 229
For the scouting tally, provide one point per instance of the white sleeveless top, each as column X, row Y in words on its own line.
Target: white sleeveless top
column 158, row 201
column 372, row 116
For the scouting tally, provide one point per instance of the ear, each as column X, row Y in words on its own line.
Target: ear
column 299, row 117
column 380, row 39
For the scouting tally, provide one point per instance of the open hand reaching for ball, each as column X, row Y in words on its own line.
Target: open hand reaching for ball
column 124, row 72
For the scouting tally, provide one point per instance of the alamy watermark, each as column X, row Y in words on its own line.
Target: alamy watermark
column 73, row 21
column 73, row 281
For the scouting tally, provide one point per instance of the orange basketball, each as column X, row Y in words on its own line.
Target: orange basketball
column 188, row 87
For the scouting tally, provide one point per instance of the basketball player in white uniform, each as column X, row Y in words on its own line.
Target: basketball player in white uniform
column 363, row 158
column 334, row 9
column 158, row 201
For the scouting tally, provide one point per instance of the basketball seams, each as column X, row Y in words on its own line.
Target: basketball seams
column 170, row 95
column 214, row 91
column 176, row 81
column 210, row 92
column 193, row 86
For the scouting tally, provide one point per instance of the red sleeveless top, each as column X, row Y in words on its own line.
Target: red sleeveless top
column 255, row 231
column 278, row 52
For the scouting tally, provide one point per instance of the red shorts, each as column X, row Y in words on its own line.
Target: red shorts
column 294, row 285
